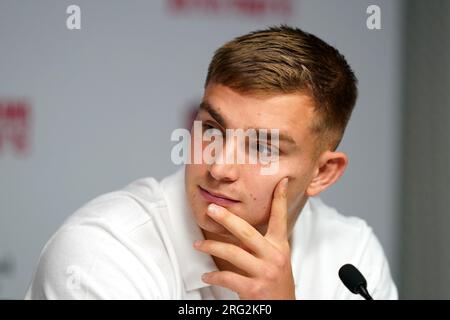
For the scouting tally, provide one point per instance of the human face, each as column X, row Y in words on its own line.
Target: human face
column 250, row 191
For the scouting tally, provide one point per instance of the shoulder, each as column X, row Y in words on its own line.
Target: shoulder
column 122, row 209
column 335, row 227
column 109, row 248
column 323, row 231
column 333, row 239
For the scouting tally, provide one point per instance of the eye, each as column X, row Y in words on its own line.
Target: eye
column 206, row 126
column 210, row 131
column 263, row 148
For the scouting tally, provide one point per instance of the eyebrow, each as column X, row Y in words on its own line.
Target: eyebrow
column 207, row 107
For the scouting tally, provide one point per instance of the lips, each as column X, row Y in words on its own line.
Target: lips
column 217, row 198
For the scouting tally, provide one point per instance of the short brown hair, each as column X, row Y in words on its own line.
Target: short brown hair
column 282, row 60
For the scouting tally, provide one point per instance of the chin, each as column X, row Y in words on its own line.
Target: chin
column 211, row 226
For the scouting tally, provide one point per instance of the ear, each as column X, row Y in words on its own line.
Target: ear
column 330, row 167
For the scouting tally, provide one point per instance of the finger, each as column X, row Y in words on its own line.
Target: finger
column 231, row 253
column 227, row 279
column 277, row 227
column 241, row 229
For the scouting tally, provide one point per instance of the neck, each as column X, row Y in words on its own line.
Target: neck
column 221, row 264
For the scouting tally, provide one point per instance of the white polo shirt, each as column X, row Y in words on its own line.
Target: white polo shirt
column 136, row 243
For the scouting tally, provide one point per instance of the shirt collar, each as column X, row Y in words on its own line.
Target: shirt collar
column 185, row 232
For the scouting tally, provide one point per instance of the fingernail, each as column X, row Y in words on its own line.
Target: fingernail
column 213, row 209
column 285, row 182
column 204, row 276
column 197, row 243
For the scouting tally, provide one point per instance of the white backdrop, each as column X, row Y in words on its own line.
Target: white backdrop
column 104, row 100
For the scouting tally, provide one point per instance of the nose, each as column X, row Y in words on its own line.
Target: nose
column 225, row 168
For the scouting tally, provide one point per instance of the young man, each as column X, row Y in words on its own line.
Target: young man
column 225, row 230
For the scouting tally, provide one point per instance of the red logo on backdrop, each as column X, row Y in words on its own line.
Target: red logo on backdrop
column 14, row 125
column 248, row 7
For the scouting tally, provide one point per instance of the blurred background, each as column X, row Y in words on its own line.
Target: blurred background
column 85, row 112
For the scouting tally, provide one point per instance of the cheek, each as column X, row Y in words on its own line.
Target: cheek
column 261, row 188
column 259, row 202
column 193, row 175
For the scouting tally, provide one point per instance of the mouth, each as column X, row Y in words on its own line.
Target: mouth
column 216, row 198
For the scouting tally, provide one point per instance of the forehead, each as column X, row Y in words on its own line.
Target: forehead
column 290, row 113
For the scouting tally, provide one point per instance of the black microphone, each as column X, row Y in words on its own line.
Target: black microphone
column 354, row 280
